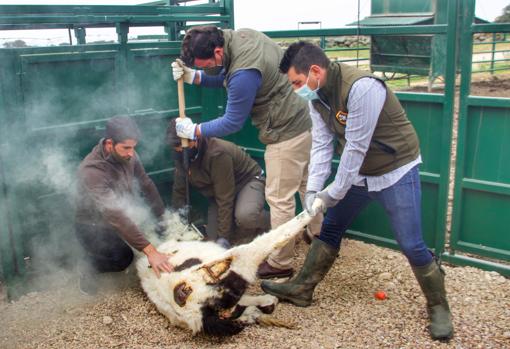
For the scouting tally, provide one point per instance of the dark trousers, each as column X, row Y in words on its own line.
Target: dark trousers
column 105, row 251
column 402, row 203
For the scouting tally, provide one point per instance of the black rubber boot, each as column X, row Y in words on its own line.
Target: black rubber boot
column 431, row 280
column 299, row 291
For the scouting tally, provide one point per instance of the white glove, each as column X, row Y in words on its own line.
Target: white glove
column 180, row 70
column 328, row 200
column 310, row 197
column 185, row 128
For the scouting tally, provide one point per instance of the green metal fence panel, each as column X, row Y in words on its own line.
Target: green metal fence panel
column 481, row 203
column 426, row 113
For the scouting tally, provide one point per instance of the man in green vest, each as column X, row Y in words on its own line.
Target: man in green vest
column 229, row 178
column 379, row 158
column 245, row 62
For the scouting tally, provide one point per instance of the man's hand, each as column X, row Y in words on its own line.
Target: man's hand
column 179, row 70
column 328, row 200
column 309, row 200
column 158, row 261
column 185, row 128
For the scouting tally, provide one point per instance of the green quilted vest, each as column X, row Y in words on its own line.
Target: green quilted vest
column 278, row 113
column 394, row 142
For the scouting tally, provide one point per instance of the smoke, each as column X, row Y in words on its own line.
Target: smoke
column 52, row 114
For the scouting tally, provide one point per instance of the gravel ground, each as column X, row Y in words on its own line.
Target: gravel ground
column 345, row 313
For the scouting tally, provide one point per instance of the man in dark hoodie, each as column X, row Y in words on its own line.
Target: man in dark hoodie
column 110, row 173
column 231, row 180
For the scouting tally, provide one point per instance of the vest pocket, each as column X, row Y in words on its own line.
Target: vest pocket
column 384, row 147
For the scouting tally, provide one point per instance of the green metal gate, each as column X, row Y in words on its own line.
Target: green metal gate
column 481, row 206
column 55, row 102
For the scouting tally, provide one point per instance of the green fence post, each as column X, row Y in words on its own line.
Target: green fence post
column 465, row 61
column 80, row 33
column 448, row 110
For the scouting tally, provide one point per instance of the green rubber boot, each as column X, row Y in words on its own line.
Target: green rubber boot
column 431, row 280
column 299, row 291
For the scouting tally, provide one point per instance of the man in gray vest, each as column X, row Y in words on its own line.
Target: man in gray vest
column 379, row 159
column 246, row 63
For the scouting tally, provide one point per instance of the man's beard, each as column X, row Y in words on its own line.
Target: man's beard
column 119, row 158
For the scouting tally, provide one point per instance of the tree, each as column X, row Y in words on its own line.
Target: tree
column 505, row 17
column 15, row 44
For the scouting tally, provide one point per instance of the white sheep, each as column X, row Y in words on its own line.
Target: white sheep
column 206, row 290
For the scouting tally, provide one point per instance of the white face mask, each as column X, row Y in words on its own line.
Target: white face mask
column 306, row 92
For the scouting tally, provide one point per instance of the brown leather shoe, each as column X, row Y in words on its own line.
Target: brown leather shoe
column 306, row 238
column 266, row 271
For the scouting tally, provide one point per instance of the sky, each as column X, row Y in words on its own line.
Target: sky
column 266, row 14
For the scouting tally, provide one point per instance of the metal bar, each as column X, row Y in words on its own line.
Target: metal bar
column 420, row 97
column 352, row 60
column 372, row 239
column 488, row 102
column 348, row 49
column 429, row 177
column 488, row 70
column 106, row 19
column 466, row 47
column 486, row 186
column 490, row 42
column 474, row 262
column 483, row 250
column 490, row 28
column 20, row 10
column 402, row 55
column 99, row 122
column 496, row 51
column 447, row 124
column 495, row 60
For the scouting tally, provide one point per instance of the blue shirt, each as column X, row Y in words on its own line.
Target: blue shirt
column 242, row 88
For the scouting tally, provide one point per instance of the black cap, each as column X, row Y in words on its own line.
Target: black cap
column 120, row 128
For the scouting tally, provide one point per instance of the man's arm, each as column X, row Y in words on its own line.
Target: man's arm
column 321, row 154
column 241, row 90
column 366, row 101
column 214, row 81
column 222, row 176
column 100, row 191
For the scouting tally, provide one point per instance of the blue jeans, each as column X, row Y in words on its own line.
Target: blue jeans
column 402, row 203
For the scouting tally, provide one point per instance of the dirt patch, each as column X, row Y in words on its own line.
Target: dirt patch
column 344, row 314
column 486, row 85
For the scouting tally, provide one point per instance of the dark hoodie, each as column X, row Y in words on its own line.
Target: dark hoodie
column 220, row 170
column 102, row 180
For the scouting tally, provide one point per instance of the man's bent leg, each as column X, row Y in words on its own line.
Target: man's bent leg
column 250, row 215
column 105, row 250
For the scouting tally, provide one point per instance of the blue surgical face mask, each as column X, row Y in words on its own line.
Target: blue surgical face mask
column 306, row 92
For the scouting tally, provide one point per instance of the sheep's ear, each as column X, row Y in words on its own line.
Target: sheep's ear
column 212, row 272
column 213, row 325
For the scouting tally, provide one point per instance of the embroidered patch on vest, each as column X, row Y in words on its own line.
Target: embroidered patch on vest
column 341, row 117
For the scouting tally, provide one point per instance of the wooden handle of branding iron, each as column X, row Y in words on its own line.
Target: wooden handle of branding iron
column 182, row 107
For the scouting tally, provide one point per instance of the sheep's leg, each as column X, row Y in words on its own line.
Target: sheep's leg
column 253, row 253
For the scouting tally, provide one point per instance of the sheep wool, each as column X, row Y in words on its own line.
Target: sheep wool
column 206, row 290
